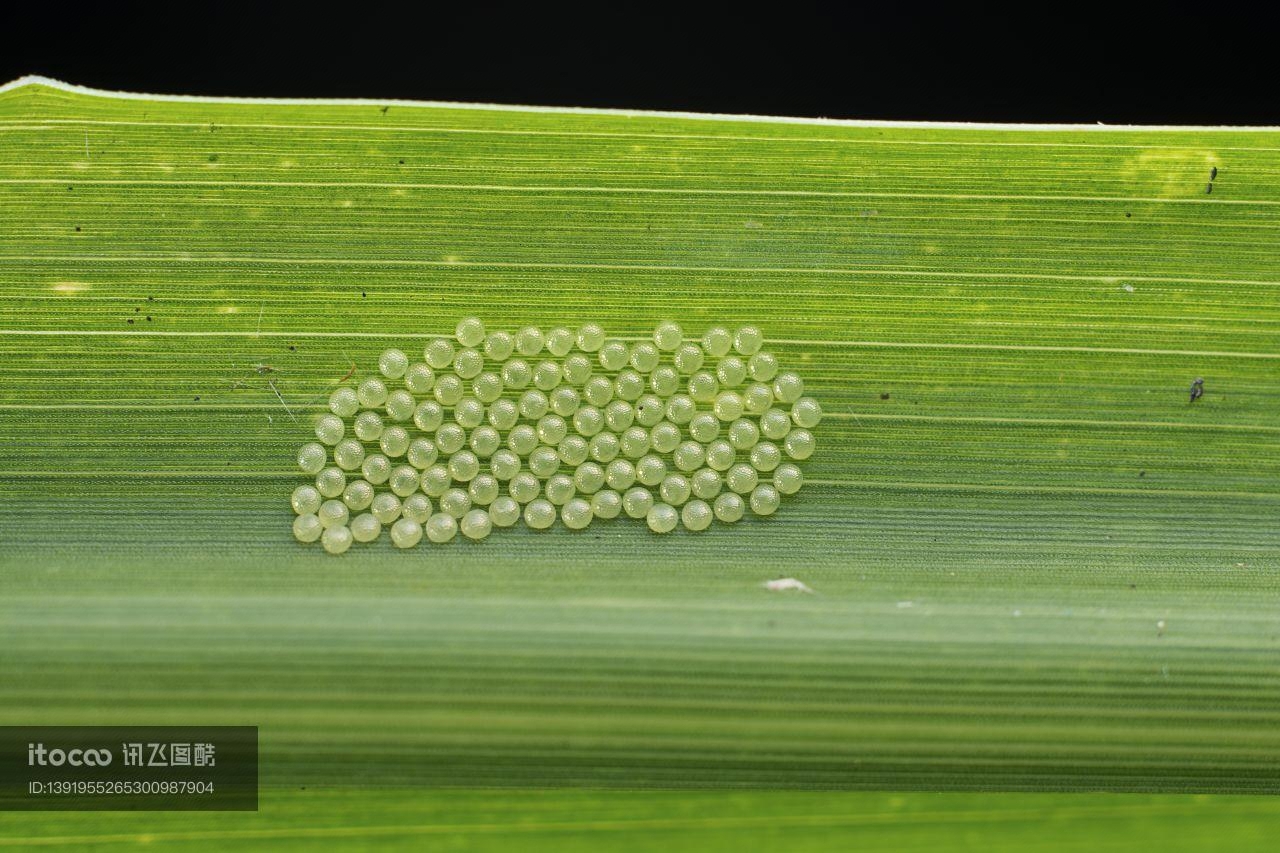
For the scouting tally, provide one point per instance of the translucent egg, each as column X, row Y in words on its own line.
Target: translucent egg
column 358, row 495
column 476, row 525
column 728, row 406
column 664, row 381
column 305, row 500
column 385, row 507
column 376, row 468
column 312, row 456
column 540, row 514
column 806, row 412
column 400, row 405
column 422, row 453
column 668, row 336
column 787, row 479
column 392, row 363
column 406, row 533
column 729, row 507
column 614, row 355
column 498, row 346
column 664, row 437
column 598, row 391
column 308, row 528
column 394, row 441
column 441, row 528
column 675, row 489
column 503, row 414
column 559, row 489
column 368, row 426
column 438, row 353
column 552, row 429
column 330, row 429
column 544, row 462
column 765, row 500
column 372, row 393
column 717, row 341
column 416, row 507
column 743, row 434
column 650, row 409
column 504, row 512
column 483, row 489
column 469, row 331
column 428, row 416
column 619, row 415
column 703, row 387
column 529, row 341
column 577, row 369
column 484, row 441
column 450, row 438
column 333, row 514
column 696, row 515
column 688, row 359
column 706, row 483
column 522, row 440
column 534, row 404
column 330, row 482
column 748, row 340
column 336, row 540
column 463, row 466
column 689, row 456
column 644, row 357
column 681, row 409
column 775, row 424
column 559, row 342
column 448, row 390
column 590, row 337
column 604, row 447
column 731, row 371
column 628, row 385
column 504, row 465
column 564, row 401
column 788, row 387
column 763, row 366
column 662, row 518
column 572, row 450
column 404, row 480
column 637, row 502
column 606, row 504
column 588, row 421
column 365, row 528
column 524, row 487
column 576, row 514
column 436, row 480
column 634, row 442
column 517, row 374
column 757, row 398
column 704, row 427
column 721, row 455
column 620, row 474
column 455, row 502
column 469, row 413
column 419, row 378
column 650, row 470
column 343, row 402
column 487, row 387
column 547, row 375
column 799, row 444
column 589, row 478
column 765, row 456
column 741, row 478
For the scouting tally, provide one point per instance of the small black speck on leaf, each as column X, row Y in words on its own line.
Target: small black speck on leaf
column 1133, row 586
column 1142, row 473
column 1213, row 173
column 77, row 229
column 363, row 294
column 197, row 398
column 1127, row 214
column 129, row 321
column 1197, row 389
column 137, row 310
column 1208, row 188
column 292, row 348
column 401, row 162
column 148, row 318
column 151, row 299
column 71, row 189
column 884, row 396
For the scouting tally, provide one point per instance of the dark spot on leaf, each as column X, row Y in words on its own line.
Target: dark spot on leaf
column 1213, row 173
column 884, row 396
column 129, row 321
column 363, row 294
column 197, row 398
column 1142, row 473
column 1208, row 188
column 1133, row 586
column 213, row 158
column 151, row 298
column 77, row 229
column 1127, row 214
column 71, row 189
column 148, row 318
column 292, row 348
column 384, row 110
column 137, row 310
column 401, row 162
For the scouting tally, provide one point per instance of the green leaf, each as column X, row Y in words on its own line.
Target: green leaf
column 1037, row 564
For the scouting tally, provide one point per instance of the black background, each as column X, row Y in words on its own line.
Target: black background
column 1043, row 64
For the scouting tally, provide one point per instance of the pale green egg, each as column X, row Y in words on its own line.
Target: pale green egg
column 572, row 450
column 689, row 456
column 498, row 346
column 524, row 487
column 484, row 441
column 400, row 405
column 662, row 518
column 729, row 507
column 628, row 385
column 376, row 468
column 357, row 495
column 721, row 455
column 441, row 528
column 468, row 413
column 731, row 371
column 365, row 528
column 559, row 342
column 619, row 415
column 552, row 429
column 559, row 489
column 704, row 427
column 775, row 424
column 728, row 406
column 540, row 514
column 305, row 500
column 368, row 426
column 614, row 355
column 544, row 462
column 312, row 456
column 564, row 401
column 331, row 481
column 534, row 404
column 422, row 453
column 436, row 480
column 743, row 434
column 385, row 507
column 343, row 402
column 503, row 414
column 634, row 442
column 741, row 478
column 428, row 416
column 330, row 429
column 336, row 540
column 598, row 391
column 517, row 374
column 644, row 357
column 664, row 381
column 706, row 483
column 438, row 353
column 476, row 525
column 419, row 378
column 455, row 502
column 416, row 507
column 806, row 412
column 799, row 444
column 696, row 515
column 406, row 533
column 787, row 479
column 450, row 438
column 788, row 387
column 763, row 366
column 372, row 393
column 703, row 387
column 765, row 500
column 681, row 409
column 449, row 390
column 664, row 437
column 765, row 457
column 504, row 511
column 404, row 480
column 588, row 478
column 469, row 331
column 637, row 502
column 588, row 421
column 487, row 387
column 675, row 489
column 547, row 375
column 333, row 513
column 463, row 466
column 577, row 369
column 522, row 440
column 393, row 363
column 688, row 359
column 394, row 441
column 590, row 337
column 748, row 340
column 529, row 341
column 620, row 474
column 576, row 514
column 604, row 447
column 650, row 470
column 757, row 398
column 650, row 409
column 717, row 341
column 668, row 336
column 504, row 465
column 606, row 504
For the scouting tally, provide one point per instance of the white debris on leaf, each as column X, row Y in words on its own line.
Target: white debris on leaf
column 784, row 584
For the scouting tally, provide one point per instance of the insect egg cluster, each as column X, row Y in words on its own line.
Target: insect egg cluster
column 490, row 429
